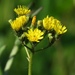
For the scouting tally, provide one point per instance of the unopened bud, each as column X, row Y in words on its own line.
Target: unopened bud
column 39, row 23
column 50, row 36
column 34, row 20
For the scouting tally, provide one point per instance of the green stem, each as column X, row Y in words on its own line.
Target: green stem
column 30, row 64
column 29, row 58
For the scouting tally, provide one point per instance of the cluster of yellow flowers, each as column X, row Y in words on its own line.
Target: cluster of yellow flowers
column 52, row 23
column 33, row 32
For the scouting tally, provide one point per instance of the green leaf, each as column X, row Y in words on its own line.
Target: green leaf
column 2, row 49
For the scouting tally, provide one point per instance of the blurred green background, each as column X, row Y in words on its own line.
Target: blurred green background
column 59, row 59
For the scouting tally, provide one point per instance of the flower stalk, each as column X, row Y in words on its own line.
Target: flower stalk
column 30, row 64
column 29, row 58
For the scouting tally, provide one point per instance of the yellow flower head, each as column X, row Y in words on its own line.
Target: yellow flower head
column 19, row 22
column 48, row 23
column 34, row 35
column 22, row 10
column 60, row 29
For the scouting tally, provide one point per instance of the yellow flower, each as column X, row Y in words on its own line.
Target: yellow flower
column 22, row 10
column 34, row 35
column 19, row 22
column 48, row 23
column 60, row 29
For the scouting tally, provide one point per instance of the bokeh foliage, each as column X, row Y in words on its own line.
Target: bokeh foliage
column 59, row 59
